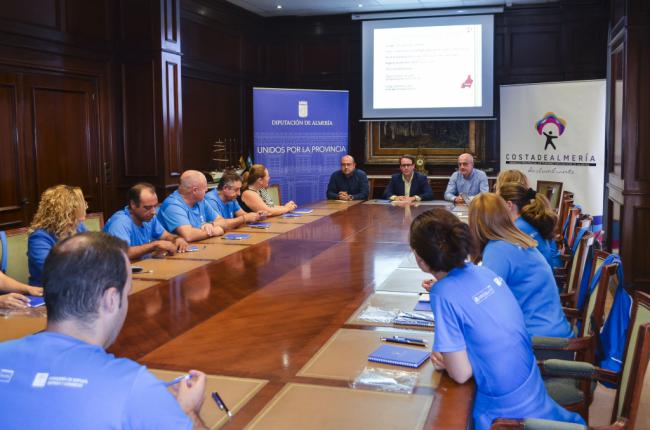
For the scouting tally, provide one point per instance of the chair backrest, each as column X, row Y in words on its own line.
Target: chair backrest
column 574, row 215
column 637, row 398
column 594, row 308
column 567, row 203
column 94, row 221
column 17, row 266
column 578, row 264
column 640, row 316
column 274, row 192
column 3, row 251
column 553, row 191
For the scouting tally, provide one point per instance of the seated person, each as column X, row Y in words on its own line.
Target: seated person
column 349, row 183
column 66, row 369
column 185, row 212
column 532, row 214
column 11, row 293
column 223, row 199
column 408, row 185
column 256, row 198
column 60, row 214
column 513, row 255
column 466, row 182
column 138, row 226
column 480, row 329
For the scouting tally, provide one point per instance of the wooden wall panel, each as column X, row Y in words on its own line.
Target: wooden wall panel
column 215, row 46
column 321, row 57
column 11, row 179
column 42, row 13
column 172, row 114
column 139, row 150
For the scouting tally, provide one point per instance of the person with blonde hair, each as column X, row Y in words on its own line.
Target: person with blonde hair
column 60, row 214
column 513, row 255
column 532, row 214
column 256, row 198
column 511, row 176
column 480, row 328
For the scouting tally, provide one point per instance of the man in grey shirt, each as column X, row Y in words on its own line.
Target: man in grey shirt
column 466, row 182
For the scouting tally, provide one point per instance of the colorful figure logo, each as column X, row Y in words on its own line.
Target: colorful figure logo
column 547, row 124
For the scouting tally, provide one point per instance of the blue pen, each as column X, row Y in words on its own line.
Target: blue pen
column 220, row 404
column 177, row 380
column 405, row 340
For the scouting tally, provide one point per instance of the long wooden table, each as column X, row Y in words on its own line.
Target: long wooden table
column 263, row 312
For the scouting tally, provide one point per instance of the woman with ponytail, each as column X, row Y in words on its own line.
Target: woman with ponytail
column 532, row 214
column 255, row 197
column 512, row 254
column 480, row 329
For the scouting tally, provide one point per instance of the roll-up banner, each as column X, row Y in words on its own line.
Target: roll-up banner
column 556, row 132
column 300, row 136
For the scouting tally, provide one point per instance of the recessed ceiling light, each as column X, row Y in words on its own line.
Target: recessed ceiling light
column 279, row 6
column 359, row 5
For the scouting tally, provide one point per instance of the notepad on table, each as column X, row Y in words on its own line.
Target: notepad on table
column 259, row 224
column 236, row 236
column 291, row 215
column 399, row 356
column 35, row 301
column 424, row 297
column 422, row 306
column 302, row 211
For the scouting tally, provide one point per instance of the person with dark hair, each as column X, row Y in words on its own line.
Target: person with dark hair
column 532, row 214
column 223, row 199
column 512, row 254
column 349, row 183
column 185, row 212
column 466, row 182
column 255, row 196
column 408, row 185
column 66, row 369
column 480, row 329
column 138, row 226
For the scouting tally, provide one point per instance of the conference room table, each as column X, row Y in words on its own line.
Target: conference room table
column 266, row 311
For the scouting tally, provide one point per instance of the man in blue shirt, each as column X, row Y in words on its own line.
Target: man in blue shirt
column 138, row 226
column 63, row 378
column 349, row 183
column 466, row 182
column 223, row 199
column 409, row 185
column 186, row 213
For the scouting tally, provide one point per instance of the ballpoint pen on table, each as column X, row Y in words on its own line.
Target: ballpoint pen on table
column 220, row 404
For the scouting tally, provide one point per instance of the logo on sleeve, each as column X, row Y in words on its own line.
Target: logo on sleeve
column 40, row 379
column 6, row 375
column 482, row 295
column 498, row 281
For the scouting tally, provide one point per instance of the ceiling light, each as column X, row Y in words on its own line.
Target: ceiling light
column 359, row 5
column 279, row 6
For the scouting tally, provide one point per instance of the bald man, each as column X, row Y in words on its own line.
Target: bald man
column 185, row 212
column 349, row 183
column 466, row 182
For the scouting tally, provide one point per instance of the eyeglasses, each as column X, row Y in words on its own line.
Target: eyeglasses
column 464, row 164
column 405, row 165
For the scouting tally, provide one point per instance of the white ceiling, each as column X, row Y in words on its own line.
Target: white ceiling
column 269, row 8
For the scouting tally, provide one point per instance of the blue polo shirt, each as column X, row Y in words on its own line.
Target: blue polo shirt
column 39, row 245
column 475, row 311
column 53, row 381
column 121, row 225
column 225, row 209
column 531, row 281
column 543, row 245
column 174, row 212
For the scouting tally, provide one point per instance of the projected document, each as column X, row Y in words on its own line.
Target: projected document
column 427, row 67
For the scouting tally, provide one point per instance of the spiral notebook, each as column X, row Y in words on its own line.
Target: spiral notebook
column 236, row 236
column 291, row 215
column 398, row 356
column 259, row 224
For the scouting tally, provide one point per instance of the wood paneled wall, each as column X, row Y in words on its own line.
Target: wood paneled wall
column 133, row 90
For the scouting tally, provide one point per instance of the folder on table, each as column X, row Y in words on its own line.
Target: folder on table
column 302, row 211
column 398, row 356
column 291, row 215
column 236, row 236
column 259, row 224
column 423, row 306
column 35, row 301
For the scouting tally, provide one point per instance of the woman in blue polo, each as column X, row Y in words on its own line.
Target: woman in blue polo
column 60, row 214
column 480, row 329
column 512, row 254
column 532, row 214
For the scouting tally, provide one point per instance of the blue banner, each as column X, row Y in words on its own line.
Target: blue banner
column 300, row 136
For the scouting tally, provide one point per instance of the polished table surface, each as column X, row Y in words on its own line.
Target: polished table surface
column 264, row 311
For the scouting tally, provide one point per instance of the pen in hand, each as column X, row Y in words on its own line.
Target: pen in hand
column 177, row 380
column 217, row 399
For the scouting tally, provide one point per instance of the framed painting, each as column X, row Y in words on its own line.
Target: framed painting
column 439, row 142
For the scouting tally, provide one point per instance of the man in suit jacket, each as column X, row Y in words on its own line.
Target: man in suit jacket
column 408, row 185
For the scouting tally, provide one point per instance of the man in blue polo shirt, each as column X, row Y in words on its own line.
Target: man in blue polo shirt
column 223, row 199
column 349, row 183
column 185, row 212
column 466, row 182
column 138, row 226
column 63, row 378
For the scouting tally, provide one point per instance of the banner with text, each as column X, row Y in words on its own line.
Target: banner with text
column 300, row 136
column 556, row 132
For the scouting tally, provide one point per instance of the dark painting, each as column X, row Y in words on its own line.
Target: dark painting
column 425, row 134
